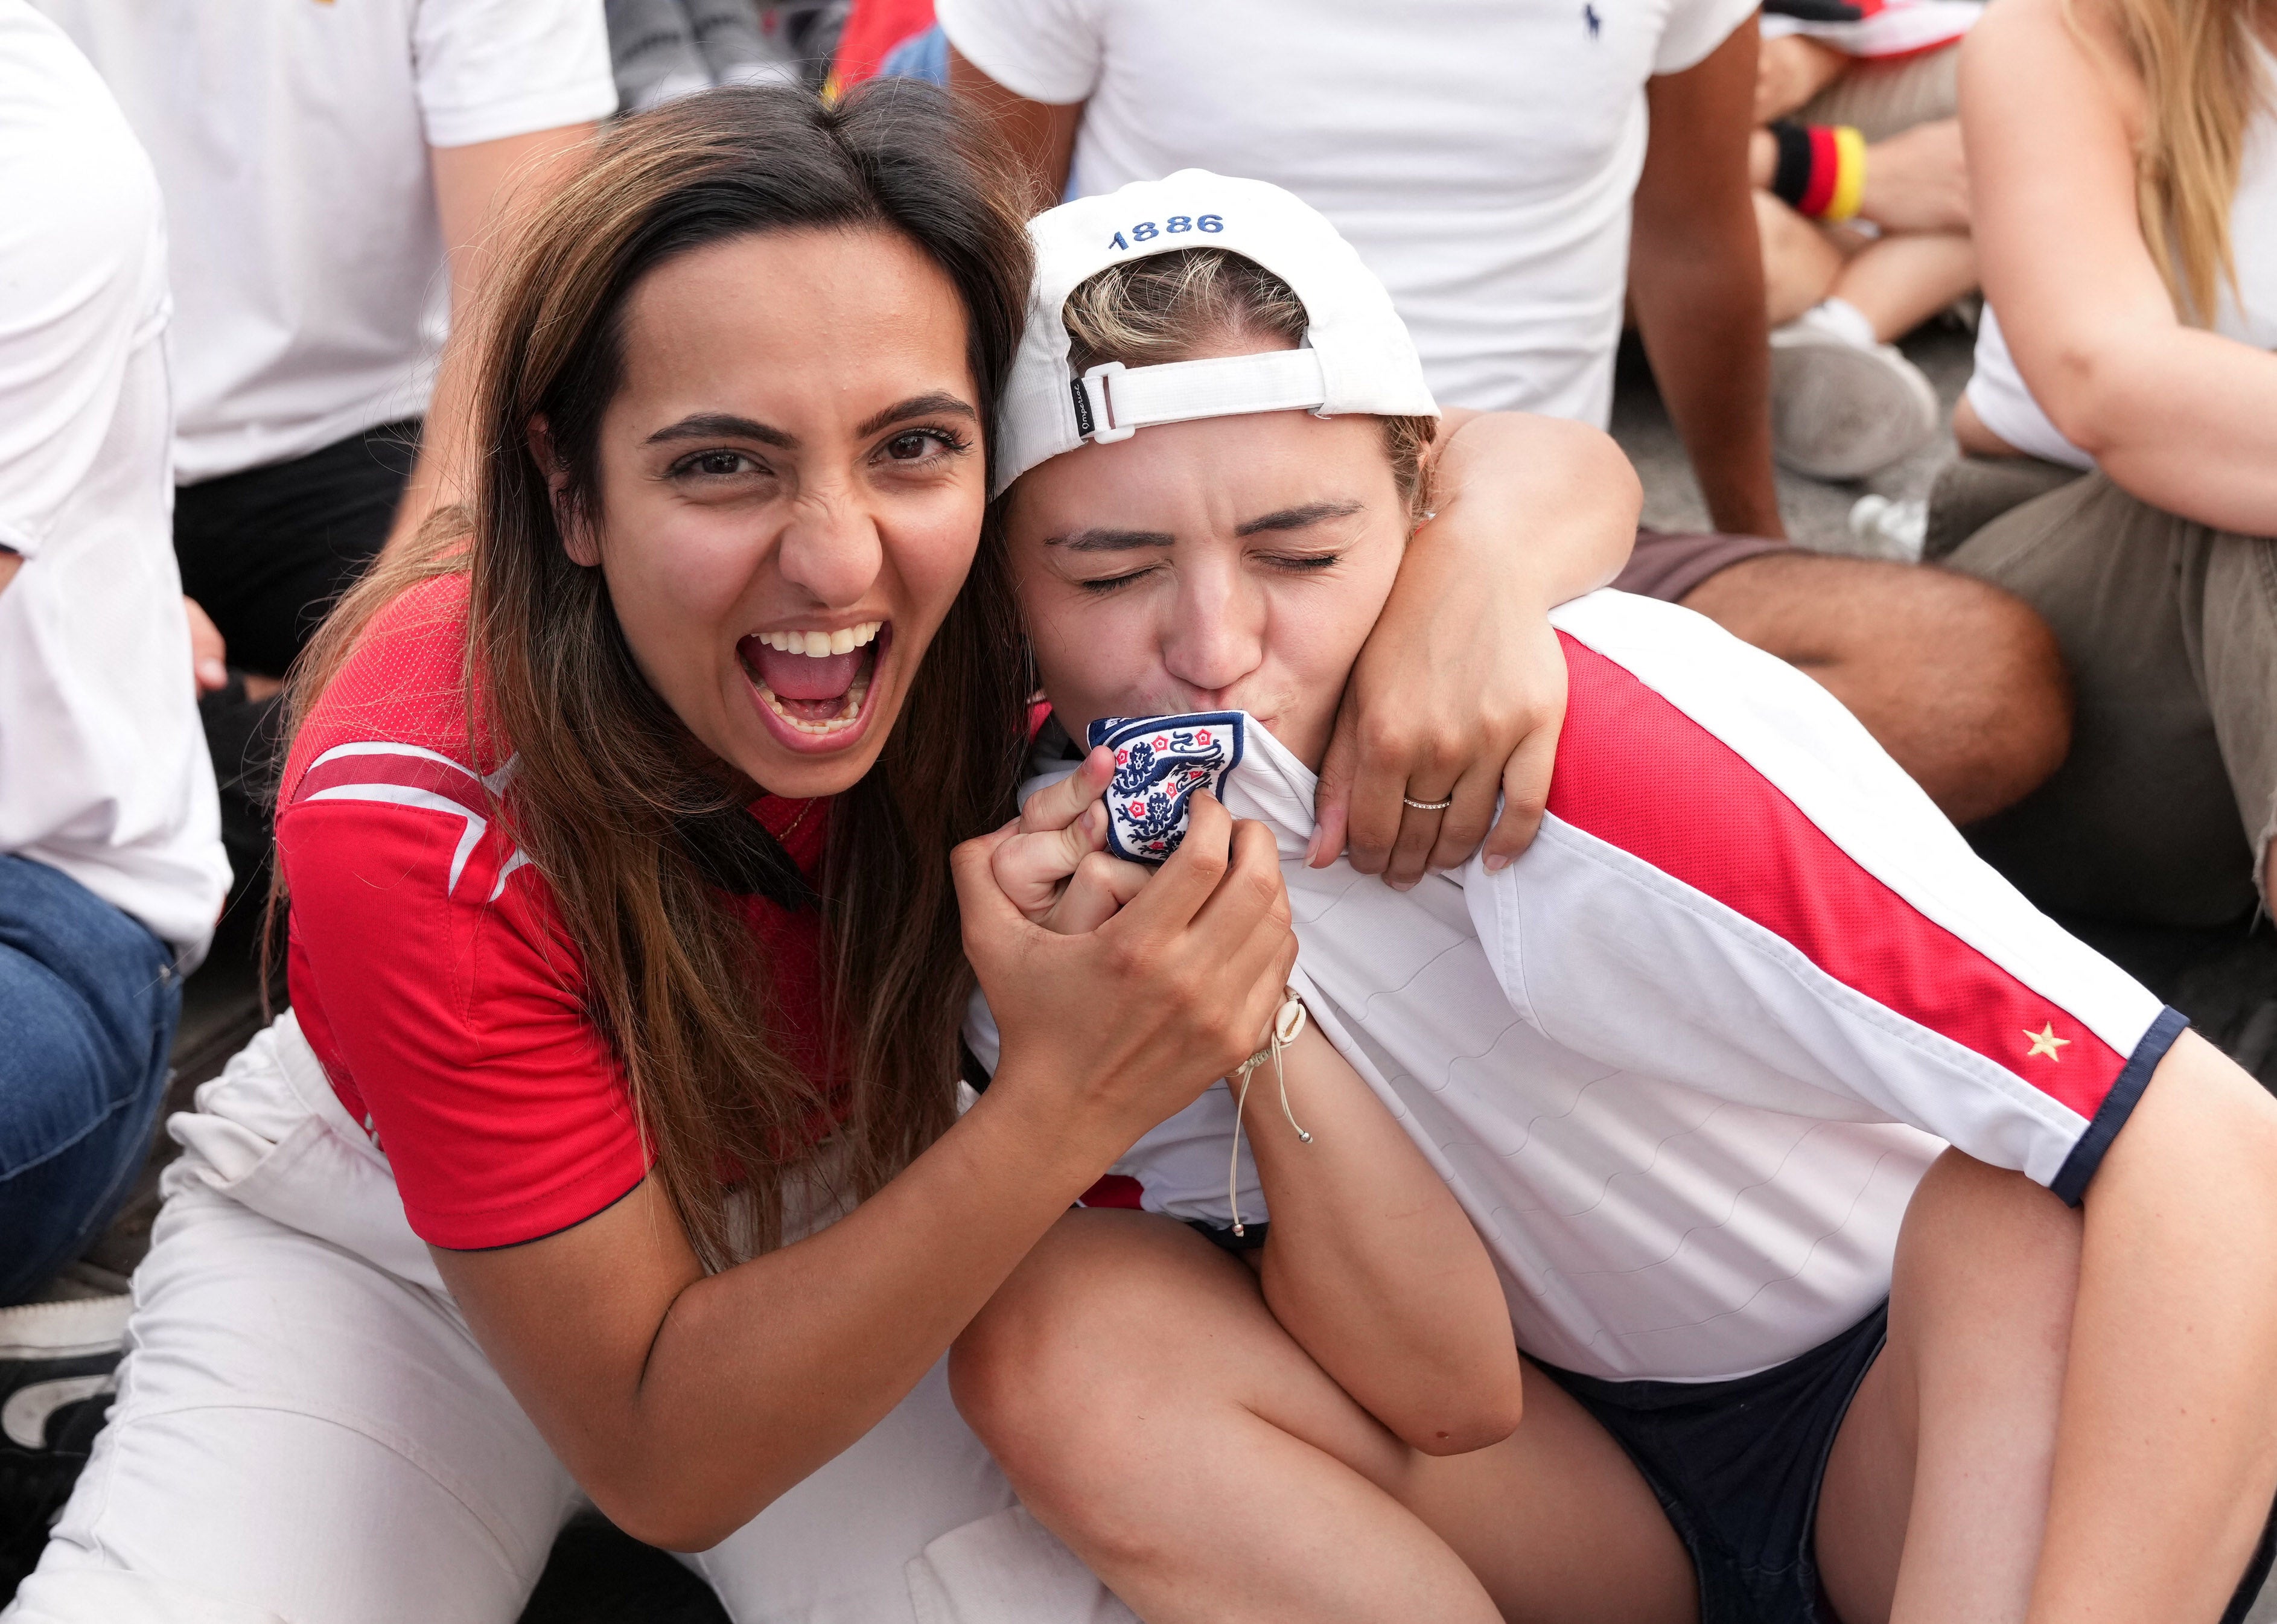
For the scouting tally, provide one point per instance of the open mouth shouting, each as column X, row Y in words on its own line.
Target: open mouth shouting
column 814, row 683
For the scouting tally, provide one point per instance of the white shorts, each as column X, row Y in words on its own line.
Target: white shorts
column 306, row 1432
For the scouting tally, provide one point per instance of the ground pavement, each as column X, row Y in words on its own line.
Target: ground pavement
column 2226, row 981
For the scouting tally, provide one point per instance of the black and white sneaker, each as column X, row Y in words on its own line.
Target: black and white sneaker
column 58, row 1369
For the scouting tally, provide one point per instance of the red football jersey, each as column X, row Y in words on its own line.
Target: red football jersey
column 429, row 965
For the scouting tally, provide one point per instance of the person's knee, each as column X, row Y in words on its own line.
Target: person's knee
column 1962, row 683
column 1798, row 265
column 1052, row 1372
column 2014, row 688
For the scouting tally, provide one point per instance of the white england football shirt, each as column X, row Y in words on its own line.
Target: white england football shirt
column 291, row 139
column 103, row 770
column 1684, row 1062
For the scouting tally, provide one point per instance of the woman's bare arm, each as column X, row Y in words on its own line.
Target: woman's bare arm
column 1371, row 1266
column 685, row 1404
column 2183, row 418
column 1532, row 511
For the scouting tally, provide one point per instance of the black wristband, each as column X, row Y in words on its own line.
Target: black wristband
column 1790, row 176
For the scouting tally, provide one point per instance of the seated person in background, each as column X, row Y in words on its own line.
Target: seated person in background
column 2127, row 224
column 110, row 861
column 1487, row 158
column 313, row 288
column 1767, row 1096
column 1862, row 200
column 662, row 50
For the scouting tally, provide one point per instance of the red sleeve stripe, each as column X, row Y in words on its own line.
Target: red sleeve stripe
column 1637, row 774
column 405, row 767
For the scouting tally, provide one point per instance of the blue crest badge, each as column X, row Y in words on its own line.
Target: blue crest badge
column 1160, row 761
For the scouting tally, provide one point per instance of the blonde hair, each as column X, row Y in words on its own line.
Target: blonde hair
column 1147, row 311
column 2199, row 77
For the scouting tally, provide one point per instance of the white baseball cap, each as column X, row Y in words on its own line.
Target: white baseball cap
column 1356, row 357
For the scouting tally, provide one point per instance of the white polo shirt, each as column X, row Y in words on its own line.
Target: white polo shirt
column 103, row 771
column 291, row 139
column 1481, row 155
column 1685, row 1060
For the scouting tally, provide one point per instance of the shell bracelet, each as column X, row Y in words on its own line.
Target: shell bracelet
column 1288, row 1023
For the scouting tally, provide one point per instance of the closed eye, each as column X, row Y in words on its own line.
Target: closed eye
column 1301, row 563
column 1101, row 585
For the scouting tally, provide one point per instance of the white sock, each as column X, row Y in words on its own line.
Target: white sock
column 1846, row 321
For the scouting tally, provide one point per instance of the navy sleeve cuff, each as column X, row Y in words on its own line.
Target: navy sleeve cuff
column 2072, row 1178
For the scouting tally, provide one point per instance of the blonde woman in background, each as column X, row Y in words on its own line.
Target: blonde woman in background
column 2123, row 155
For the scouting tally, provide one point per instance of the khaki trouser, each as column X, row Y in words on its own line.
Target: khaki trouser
column 2162, row 810
column 1882, row 99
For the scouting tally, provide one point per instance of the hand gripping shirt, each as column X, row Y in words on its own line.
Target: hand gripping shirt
column 429, row 965
column 1684, row 1060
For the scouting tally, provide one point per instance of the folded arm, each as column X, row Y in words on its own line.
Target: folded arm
column 1371, row 1266
column 2183, row 418
column 684, row 1403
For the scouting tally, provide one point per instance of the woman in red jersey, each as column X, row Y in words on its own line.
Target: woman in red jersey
column 613, row 1148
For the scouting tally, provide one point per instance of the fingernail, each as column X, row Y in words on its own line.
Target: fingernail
column 1496, row 863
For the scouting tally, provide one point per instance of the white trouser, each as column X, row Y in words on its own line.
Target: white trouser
column 306, row 1432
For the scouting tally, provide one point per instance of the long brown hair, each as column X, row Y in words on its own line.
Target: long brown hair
column 608, row 781
column 2201, row 86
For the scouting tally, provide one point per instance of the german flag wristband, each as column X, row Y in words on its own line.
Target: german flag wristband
column 1821, row 170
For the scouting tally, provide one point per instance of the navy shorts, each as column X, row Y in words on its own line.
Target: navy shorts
column 1737, row 1465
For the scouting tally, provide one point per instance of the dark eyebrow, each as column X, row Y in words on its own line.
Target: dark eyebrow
column 714, row 426
column 1297, row 518
column 1111, row 541
column 918, row 406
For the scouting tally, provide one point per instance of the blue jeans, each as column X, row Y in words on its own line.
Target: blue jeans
column 89, row 1001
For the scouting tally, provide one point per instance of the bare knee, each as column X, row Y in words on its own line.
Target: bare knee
column 1059, row 1372
column 2009, row 698
column 1799, row 263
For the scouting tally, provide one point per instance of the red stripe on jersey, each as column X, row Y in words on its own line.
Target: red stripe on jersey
column 1113, row 1190
column 400, row 769
column 1728, row 832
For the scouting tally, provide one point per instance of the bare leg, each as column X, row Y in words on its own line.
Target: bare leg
column 1153, row 1413
column 1962, row 682
column 1937, row 1491
column 1800, row 263
column 1902, row 280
